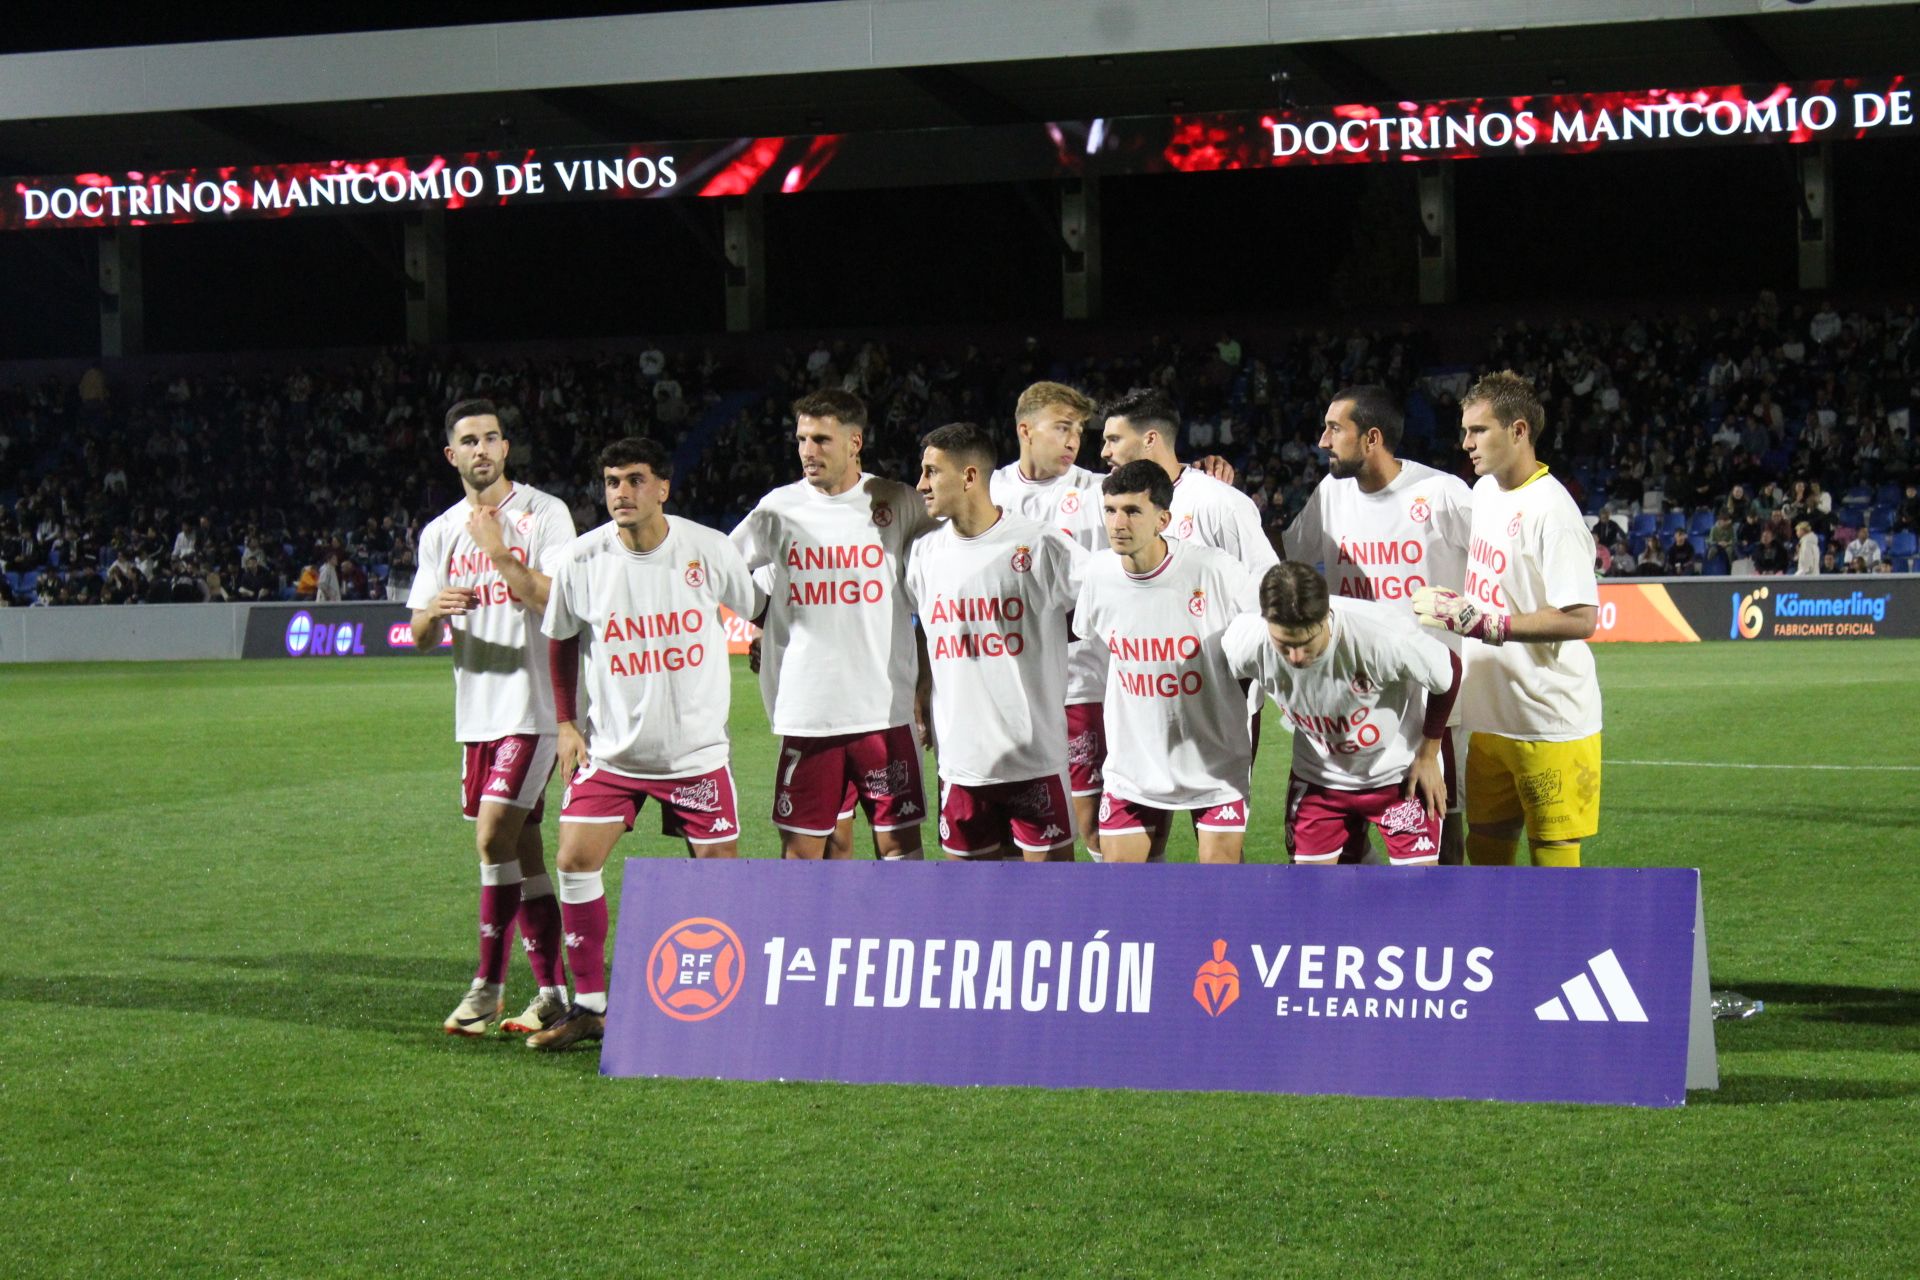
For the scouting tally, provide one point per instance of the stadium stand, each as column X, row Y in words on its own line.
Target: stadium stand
column 218, row 482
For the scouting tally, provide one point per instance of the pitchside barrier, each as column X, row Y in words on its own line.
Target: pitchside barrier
column 1852, row 607
column 1514, row 984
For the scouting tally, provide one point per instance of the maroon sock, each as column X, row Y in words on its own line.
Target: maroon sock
column 498, row 905
column 586, row 925
column 540, row 934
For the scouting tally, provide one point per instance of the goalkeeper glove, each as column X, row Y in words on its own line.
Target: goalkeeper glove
column 1445, row 610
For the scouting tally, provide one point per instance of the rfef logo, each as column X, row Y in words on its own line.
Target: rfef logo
column 1217, row 984
column 696, row 969
column 1748, row 616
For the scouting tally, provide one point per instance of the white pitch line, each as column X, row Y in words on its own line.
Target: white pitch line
column 1716, row 764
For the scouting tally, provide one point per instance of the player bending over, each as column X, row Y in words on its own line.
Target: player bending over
column 1368, row 697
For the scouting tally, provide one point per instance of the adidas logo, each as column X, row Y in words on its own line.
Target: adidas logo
column 1606, row 970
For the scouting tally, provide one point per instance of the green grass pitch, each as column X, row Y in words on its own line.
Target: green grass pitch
column 238, row 899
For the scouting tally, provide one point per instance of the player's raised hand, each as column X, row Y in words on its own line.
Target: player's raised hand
column 1445, row 610
column 483, row 526
column 572, row 748
column 454, row 602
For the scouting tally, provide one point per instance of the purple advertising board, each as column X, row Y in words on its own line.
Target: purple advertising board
column 1514, row 984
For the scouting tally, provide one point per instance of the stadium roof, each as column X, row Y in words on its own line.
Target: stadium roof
column 854, row 65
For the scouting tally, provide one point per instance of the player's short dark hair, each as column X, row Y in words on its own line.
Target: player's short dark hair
column 1374, row 409
column 474, row 407
column 636, row 451
column 1511, row 398
column 1145, row 407
column 967, row 442
column 848, row 409
column 1293, row 594
column 1140, row 476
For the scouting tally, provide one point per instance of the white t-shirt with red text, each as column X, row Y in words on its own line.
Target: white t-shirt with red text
column 836, row 649
column 1175, row 718
column 1215, row 514
column 500, row 684
column 1530, row 550
column 1385, row 546
column 653, row 645
column 994, row 609
column 1069, row 502
column 1356, row 711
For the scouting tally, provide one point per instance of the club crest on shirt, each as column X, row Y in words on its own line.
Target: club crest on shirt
column 696, row 576
column 523, row 522
column 1419, row 512
column 882, row 514
column 1186, row 527
column 1197, row 602
column 1363, row 685
column 1070, row 501
column 1022, row 559
column 1513, row 526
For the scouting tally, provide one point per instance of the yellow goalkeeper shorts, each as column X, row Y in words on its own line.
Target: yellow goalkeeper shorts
column 1555, row 786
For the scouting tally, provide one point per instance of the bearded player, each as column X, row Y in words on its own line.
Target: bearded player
column 484, row 566
column 636, row 603
column 1367, row 694
column 1532, row 696
column 1176, row 714
column 838, row 663
column 1383, row 528
column 993, row 592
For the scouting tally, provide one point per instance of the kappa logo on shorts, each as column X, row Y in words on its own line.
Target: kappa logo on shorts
column 703, row 795
column 909, row 810
column 696, row 576
column 1217, row 985
column 1197, row 602
column 783, row 806
column 1022, row 559
column 1513, row 526
column 508, row 752
column 1423, row 845
column 498, row 787
column 1229, row 813
column 1419, row 512
column 882, row 514
column 1051, row 832
column 1405, row 818
column 696, row 969
column 721, row 824
column 1543, row 787
column 1070, row 501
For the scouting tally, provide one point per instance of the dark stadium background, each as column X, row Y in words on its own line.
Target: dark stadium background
column 1316, row 246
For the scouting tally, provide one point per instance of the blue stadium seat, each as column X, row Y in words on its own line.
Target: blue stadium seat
column 1702, row 522
column 1644, row 525
column 1888, row 495
column 53, row 556
column 1858, row 496
column 1903, row 543
column 1676, row 522
column 1699, row 547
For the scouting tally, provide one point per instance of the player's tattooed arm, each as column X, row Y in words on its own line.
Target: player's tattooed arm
column 528, row 586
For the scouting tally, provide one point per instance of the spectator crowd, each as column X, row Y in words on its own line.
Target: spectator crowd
column 1772, row 439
